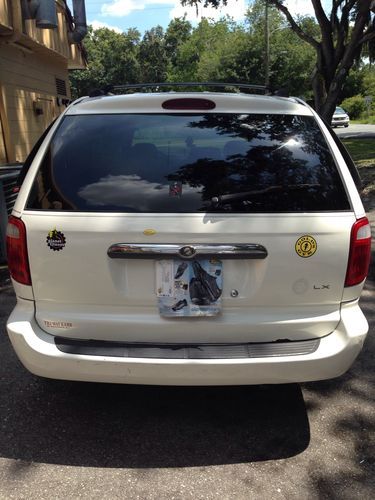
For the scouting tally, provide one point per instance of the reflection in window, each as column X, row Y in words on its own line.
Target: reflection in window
column 128, row 163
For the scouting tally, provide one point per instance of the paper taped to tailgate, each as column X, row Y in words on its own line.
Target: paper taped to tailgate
column 189, row 288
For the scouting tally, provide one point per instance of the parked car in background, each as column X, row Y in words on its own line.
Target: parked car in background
column 188, row 238
column 340, row 118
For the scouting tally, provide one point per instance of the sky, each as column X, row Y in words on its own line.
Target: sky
column 121, row 15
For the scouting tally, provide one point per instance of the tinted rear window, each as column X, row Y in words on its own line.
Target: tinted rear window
column 188, row 163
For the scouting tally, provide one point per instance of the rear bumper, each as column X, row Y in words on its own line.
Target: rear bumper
column 39, row 354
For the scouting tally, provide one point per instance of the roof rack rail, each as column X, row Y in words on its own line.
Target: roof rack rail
column 110, row 89
column 301, row 101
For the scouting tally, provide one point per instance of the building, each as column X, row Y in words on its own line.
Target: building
column 39, row 44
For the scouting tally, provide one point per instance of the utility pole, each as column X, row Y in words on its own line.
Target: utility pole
column 266, row 46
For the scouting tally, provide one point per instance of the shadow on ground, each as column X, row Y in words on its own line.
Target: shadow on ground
column 104, row 425
column 112, row 426
column 129, row 426
column 347, row 406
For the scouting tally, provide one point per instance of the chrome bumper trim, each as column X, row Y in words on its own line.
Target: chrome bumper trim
column 181, row 351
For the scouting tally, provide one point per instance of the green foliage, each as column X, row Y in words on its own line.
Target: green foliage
column 221, row 51
column 361, row 149
column 369, row 81
column 112, row 60
column 153, row 56
column 343, row 35
column 227, row 51
column 361, row 80
column 291, row 62
column 354, row 106
column 361, row 83
column 178, row 32
column 215, row 51
column 366, row 119
column 255, row 18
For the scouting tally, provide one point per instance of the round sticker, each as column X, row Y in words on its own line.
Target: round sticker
column 306, row 246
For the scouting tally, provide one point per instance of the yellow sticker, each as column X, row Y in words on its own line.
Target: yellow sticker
column 306, row 246
column 149, row 232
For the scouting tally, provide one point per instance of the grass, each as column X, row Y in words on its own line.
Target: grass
column 365, row 120
column 363, row 154
column 361, row 150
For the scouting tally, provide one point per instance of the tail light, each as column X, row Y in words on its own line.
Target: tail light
column 18, row 261
column 359, row 253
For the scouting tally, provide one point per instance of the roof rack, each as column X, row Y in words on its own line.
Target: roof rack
column 110, row 89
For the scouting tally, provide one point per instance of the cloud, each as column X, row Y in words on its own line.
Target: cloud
column 122, row 8
column 234, row 8
column 301, row 7
column 132, row 193
column 99, row 24
column 237, row 9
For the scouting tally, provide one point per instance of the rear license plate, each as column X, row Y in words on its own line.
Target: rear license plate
column 189, row 288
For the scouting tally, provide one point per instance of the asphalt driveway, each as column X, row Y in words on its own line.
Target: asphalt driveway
column 81, row 440
column 359, row 131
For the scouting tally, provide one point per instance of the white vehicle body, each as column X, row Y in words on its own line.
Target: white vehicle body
column 285, row 318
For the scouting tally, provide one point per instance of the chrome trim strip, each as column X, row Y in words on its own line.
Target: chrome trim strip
column 200, row 250
column 186, row 351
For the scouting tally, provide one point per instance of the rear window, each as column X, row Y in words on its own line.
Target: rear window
column 178, row 163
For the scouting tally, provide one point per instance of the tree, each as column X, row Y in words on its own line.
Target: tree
column 177, row 33
column 112, row 60
column 153, row 56
column 232, row 52
column 344, row 33
column 290, row 61
column 220, row 51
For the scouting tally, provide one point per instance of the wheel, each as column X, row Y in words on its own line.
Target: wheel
column 347, row 125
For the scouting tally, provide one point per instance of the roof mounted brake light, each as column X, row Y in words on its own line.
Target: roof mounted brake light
column 189, row 103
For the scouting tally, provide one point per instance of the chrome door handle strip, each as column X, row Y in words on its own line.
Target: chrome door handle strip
column 201, row 250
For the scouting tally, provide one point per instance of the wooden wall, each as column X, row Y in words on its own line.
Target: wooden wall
column 28, row 78
column 5, row 13
column 29, row 64
column 53, row 39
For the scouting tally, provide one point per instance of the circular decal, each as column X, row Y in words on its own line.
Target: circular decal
column 306, row 246
column 149, row 232
column 56, row 240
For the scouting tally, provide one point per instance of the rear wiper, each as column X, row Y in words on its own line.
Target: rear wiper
column 218, row 200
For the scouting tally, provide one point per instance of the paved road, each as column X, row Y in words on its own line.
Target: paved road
column 74, row 440
column 365, row 131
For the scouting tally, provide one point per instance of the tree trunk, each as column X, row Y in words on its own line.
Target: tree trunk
column 340, row 43
column 326, row 100
column 317, row 82
column 334, row 92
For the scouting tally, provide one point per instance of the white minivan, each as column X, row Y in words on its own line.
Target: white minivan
column 188, row 238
